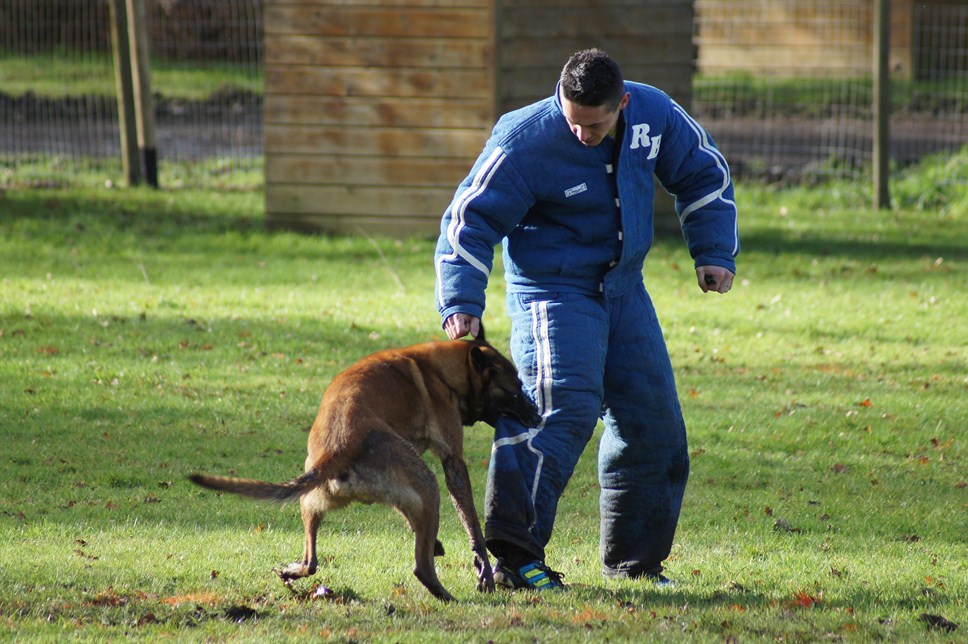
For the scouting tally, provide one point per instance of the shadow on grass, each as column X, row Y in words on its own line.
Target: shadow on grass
column 930, row 243
column 152, row 214
column 152, row 239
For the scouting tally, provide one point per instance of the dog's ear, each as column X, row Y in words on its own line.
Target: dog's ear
column 479, row 358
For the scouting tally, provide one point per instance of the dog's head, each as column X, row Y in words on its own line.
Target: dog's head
column 500, row 392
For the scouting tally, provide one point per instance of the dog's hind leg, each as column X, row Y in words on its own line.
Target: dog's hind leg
column 393, row 473
column 425, row 522
column 311, row 506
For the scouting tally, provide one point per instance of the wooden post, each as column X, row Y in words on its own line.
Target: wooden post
column 882, row 103
column 122, row 75
column 143, row 103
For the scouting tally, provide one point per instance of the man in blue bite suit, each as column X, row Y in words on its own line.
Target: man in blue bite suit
column 567, row 184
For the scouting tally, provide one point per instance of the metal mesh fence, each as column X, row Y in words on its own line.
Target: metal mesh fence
column 58, row 106
column 785, row 86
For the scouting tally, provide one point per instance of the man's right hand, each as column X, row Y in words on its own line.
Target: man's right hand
column 460, row 324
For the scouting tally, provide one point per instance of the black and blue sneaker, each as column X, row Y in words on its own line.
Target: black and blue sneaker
column 659, row 580
column 531, row 576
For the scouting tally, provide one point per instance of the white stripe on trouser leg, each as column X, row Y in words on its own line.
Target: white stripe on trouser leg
column 540, row 337
column 542, row 345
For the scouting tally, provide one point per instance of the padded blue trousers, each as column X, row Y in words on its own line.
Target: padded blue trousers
column 582, row 358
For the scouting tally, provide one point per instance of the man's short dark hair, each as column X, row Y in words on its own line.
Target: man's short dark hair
column 591, row 78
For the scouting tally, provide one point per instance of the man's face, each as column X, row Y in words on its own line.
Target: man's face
column 591, row 124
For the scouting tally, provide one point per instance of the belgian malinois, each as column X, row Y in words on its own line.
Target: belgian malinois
column 375, row 420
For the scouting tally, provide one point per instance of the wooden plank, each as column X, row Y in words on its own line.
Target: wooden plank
column 291, row 109
column 381, row 142
column 333, row 20
column 357, row 201
column 626, row 50
column 436, row 53
column 554, row 5
column 529, row 22
column 423, row 225
column 399, row 227
column 531, row 84
column 383, row 83
column 365, row 171
column 396, row 4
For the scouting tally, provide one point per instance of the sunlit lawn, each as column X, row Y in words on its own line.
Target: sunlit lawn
column 145, row 335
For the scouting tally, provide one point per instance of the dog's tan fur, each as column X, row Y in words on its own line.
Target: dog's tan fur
column 375, row 420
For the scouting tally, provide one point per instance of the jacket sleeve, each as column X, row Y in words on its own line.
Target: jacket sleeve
column 487, row 206
column 692, row 168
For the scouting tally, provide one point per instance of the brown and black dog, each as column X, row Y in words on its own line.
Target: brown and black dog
column 375, row 420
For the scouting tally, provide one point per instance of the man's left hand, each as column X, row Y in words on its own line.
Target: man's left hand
column 714, row 278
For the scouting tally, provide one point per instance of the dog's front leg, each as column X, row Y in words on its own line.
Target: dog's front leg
column 459, row 485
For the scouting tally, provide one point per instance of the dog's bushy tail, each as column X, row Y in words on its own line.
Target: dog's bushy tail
column 264, row 490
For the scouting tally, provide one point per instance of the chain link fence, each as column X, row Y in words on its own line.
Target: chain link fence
column 58, row 105
column 785, row 87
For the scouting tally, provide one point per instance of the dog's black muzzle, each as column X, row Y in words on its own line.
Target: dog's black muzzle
column 525, row 412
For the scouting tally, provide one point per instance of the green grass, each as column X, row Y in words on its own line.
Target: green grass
column 144, row 335
column 213, row 173
column 67, row 73
column 743, row 93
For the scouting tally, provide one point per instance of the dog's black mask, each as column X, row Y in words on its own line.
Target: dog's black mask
column 501, row 388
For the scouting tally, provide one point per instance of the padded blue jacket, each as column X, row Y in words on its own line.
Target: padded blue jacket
column 579, row 219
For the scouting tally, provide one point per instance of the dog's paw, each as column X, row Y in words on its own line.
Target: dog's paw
column 485, row 582
column 485, row 576
column 295, row 570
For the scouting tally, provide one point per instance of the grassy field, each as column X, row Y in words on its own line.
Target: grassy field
column 63, row 74
column 146, row 335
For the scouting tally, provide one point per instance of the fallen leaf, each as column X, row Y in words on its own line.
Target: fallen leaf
column 803, row 600
column 147, row 619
